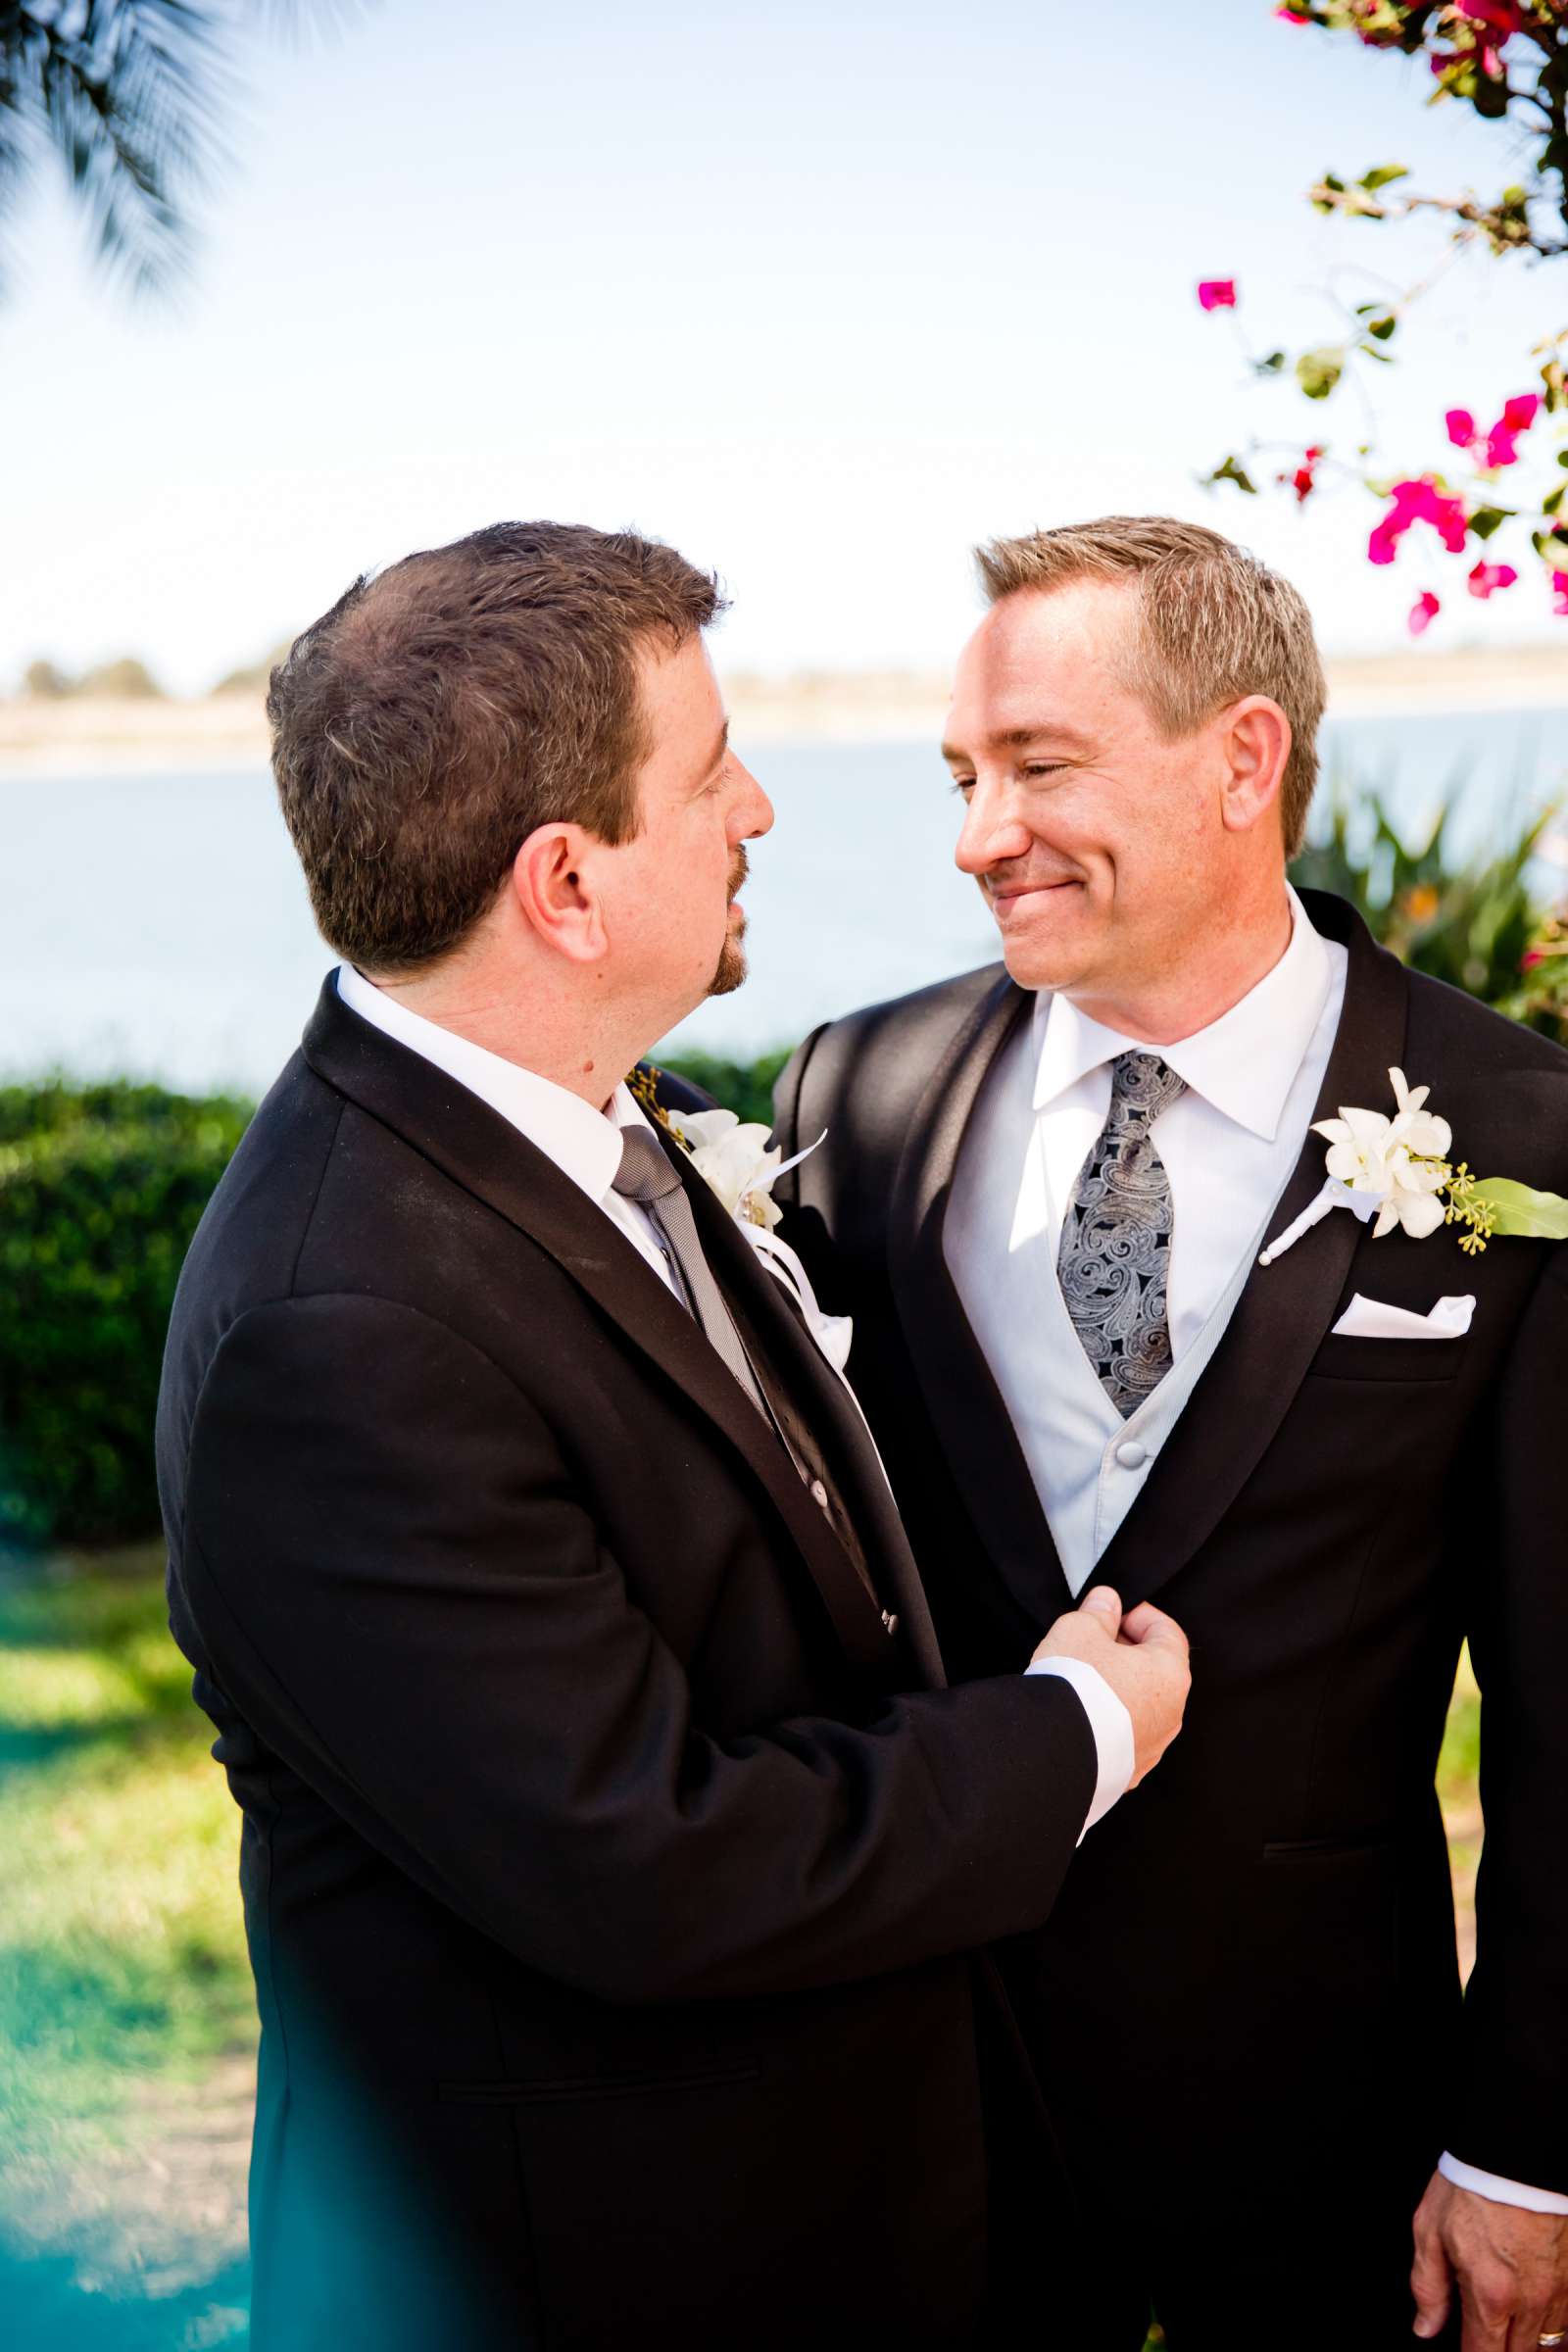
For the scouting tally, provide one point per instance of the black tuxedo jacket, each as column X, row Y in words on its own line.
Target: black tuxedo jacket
column 607, row 1866
column 1253, row 1960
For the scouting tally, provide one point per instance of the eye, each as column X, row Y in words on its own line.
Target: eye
column 963, row 784
column 1046, row 768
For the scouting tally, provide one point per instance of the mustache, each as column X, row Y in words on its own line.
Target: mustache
column 738, row 872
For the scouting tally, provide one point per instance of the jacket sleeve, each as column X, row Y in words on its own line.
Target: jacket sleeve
column 401, row 1587
column 1514, row 2077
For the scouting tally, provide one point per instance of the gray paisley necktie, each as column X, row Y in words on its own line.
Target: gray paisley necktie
column 1116, row 1238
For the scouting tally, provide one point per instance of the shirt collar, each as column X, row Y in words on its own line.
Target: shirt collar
column 585, row 1143
column 1245, row 1063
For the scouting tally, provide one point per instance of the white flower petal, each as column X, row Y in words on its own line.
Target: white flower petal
column 1420, row 1214
column 1429, row 1134
column 1388, row 1215
column 1367, row 1126
column 1334, row 1131
column 696, row 1127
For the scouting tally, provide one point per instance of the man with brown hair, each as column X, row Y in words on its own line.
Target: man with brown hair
column 612, row 1847
column 1044, row 1200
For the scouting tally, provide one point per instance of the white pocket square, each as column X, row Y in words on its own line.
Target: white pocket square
column 1369, row 1319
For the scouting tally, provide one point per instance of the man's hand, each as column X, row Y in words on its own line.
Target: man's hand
column 1511, row 2268
column 1143, row 1657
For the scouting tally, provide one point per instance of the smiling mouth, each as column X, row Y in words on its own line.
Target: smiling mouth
column 1030, row 890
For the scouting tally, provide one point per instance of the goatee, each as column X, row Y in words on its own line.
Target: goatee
column 732, row 956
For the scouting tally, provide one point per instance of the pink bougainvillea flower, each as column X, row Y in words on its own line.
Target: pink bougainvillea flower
column 1423, row 612
column 1217, row 293
column 1530, row 958
column 1559, row 592
column 1488, row 577
column 1418, row 500
column 1500, row 446
column 1292, row 15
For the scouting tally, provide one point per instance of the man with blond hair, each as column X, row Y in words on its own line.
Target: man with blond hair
column 1045, row 1200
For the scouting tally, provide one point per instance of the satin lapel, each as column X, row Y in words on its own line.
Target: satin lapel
column 1284, row 1311
column 484, row 1154
column 982, row 1451
column 756, row 1296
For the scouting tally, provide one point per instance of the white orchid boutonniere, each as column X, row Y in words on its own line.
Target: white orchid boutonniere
column 1396, row 1171
column 734, row 1158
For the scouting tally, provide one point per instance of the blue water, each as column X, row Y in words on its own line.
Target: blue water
column 158, row 924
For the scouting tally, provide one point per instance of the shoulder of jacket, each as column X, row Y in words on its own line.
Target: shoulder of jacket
column 923, row 1020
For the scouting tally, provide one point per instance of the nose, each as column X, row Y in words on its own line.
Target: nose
column 993, row 834
column 753, row 813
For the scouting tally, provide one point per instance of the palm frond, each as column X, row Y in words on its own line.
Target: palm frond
column 129, row 94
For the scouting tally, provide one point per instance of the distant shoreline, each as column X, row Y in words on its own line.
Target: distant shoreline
column 228, row 732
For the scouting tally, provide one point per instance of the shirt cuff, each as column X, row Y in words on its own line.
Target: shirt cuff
column 1111, row 1726
column 1501, row 2191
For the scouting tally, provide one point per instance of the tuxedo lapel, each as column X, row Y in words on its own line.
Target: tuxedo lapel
column 485, row 1154
column 1285, row 1309
column 983, row 1454
column 757, row 1297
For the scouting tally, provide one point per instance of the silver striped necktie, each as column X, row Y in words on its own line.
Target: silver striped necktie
column 1116, row 1238
column 646, row 1175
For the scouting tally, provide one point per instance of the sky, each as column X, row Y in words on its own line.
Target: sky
column 821, row 296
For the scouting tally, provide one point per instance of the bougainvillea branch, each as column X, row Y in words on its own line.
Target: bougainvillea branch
column 1505, row 59
column 1481, row 476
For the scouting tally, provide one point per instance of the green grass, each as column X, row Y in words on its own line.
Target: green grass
column 122, row 1954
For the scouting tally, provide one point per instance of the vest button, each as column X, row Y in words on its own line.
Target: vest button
column 1132, row 1456
column 819, row 1494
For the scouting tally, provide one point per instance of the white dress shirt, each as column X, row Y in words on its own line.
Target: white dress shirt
column 585, row 1144
column 1229, row 1145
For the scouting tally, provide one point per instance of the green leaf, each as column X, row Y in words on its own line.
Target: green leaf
column 1383, row 175
column 1550, row 505
column 1370, row 351
column 1383, row 328
column 1319, row 371
column 1233, row 470
column 1519, row 1209
column 1562, row 457
column 1275, row 361
column 1330, row 179
column 1487, row 519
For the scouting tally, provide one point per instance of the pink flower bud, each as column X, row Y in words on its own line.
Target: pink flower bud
column 1423, row 612
column 1519, row 414
column 1461, row 427
column 1217, row 293
column 1488, row 577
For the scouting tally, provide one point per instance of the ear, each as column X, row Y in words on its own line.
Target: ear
column 554, row 895
column 1255, row 745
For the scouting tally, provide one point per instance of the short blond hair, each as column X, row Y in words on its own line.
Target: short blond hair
column 1214, row 624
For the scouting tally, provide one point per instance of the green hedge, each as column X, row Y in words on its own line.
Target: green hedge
column 100, row 1191
column 744, row 1086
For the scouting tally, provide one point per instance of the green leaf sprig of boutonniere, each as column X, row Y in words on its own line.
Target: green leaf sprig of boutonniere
column 1398, row 1172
